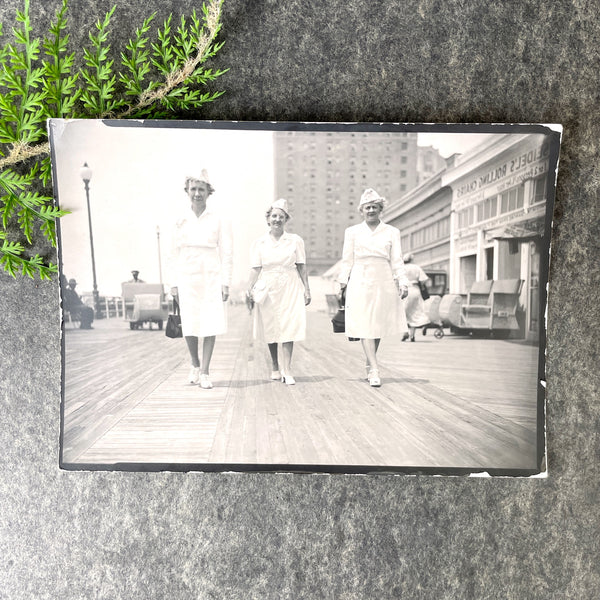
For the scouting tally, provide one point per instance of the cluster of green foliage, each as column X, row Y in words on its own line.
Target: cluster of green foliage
column 160, row 76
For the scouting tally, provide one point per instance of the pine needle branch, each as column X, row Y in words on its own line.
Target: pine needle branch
column 157, row 79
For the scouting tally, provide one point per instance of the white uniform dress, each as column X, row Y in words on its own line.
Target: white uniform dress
column 414, row 305
column 371, row 261
column 202, row 256
column 281, row 316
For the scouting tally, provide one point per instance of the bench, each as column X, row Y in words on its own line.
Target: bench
column 505, row 303
column 476, row 312
column 492, row 305
column 73, row 318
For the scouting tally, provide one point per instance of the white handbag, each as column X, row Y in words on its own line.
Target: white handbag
column 259, row 291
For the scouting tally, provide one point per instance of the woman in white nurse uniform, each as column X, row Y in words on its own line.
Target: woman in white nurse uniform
column 279, row 286
column 414, row 305
column 373, row 277
column 202, row 252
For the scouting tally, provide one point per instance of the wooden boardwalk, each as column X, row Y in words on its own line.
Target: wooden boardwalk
column 456, row 402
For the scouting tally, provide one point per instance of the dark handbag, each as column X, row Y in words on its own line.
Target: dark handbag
column 424, row 290
column 173, row 328
column 339, row 319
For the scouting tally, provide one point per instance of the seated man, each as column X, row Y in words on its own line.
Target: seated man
column 72, row 303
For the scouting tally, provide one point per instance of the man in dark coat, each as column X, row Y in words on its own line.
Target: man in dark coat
column 73, row 304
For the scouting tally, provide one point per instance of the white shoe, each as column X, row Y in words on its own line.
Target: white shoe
column 288, row 379
column 194, row 376
column 275, row 375
column 205, row 382
column 374, row 380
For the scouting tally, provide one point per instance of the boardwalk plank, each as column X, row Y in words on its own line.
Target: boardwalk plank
column 451, row 402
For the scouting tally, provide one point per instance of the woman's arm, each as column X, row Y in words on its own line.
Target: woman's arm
column 304, row 277
column 397, row 264
column 254, row 273
column 226, row 255
column 347, row 259
column 172, row 259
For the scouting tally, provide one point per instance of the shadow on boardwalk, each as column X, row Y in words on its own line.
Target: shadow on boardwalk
column 456, row 402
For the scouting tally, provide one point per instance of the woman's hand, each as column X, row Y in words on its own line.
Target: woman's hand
column 341, row 292
column 225, row 292
column 402, row 289
column 307, row 298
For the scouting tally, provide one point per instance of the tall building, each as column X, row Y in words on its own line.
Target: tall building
column 423, row 218
column 323, row 174
column 429, row 162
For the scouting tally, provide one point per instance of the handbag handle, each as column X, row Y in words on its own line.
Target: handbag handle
column 342, row 299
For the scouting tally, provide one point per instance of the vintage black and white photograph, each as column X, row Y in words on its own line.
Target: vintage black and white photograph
column 305, row 297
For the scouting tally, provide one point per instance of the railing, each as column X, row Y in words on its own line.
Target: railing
column 112, row 307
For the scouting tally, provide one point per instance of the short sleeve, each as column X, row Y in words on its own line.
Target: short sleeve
column 300, row 251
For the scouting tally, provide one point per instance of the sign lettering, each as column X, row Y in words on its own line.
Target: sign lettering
column 512, row 167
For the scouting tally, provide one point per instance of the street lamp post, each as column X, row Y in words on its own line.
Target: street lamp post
column 86, row 175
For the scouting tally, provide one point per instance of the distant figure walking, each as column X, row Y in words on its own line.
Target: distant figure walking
column 202, row 254
column 414, row 305
column 372, row 275
column 73, row 304
column 279, row 288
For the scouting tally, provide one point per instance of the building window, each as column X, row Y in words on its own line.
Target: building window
column 465, row 217
column 402, row 173
column 444, row 227
column 539, row 189
column 403, row 160
column 512, row 199
column 403, row 146
column 487, row 209
column 402, row 187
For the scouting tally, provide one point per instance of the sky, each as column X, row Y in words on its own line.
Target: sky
column 450, row 143
column 137, row 186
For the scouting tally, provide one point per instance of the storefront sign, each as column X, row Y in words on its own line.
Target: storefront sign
column 523, row 166
column 530, row 173
column 465, row 243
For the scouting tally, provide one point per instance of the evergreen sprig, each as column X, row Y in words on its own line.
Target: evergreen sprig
column 159, row 76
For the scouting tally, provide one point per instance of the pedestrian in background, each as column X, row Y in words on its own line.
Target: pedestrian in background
column 414, row 305
column 372, row 275
column 278, row 286
column 202, row 256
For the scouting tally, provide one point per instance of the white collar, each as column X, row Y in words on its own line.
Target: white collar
column 365, row 226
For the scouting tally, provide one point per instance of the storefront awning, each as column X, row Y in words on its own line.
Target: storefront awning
column 525, row 230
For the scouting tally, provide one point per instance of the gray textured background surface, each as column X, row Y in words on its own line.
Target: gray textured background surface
column 133, row 535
